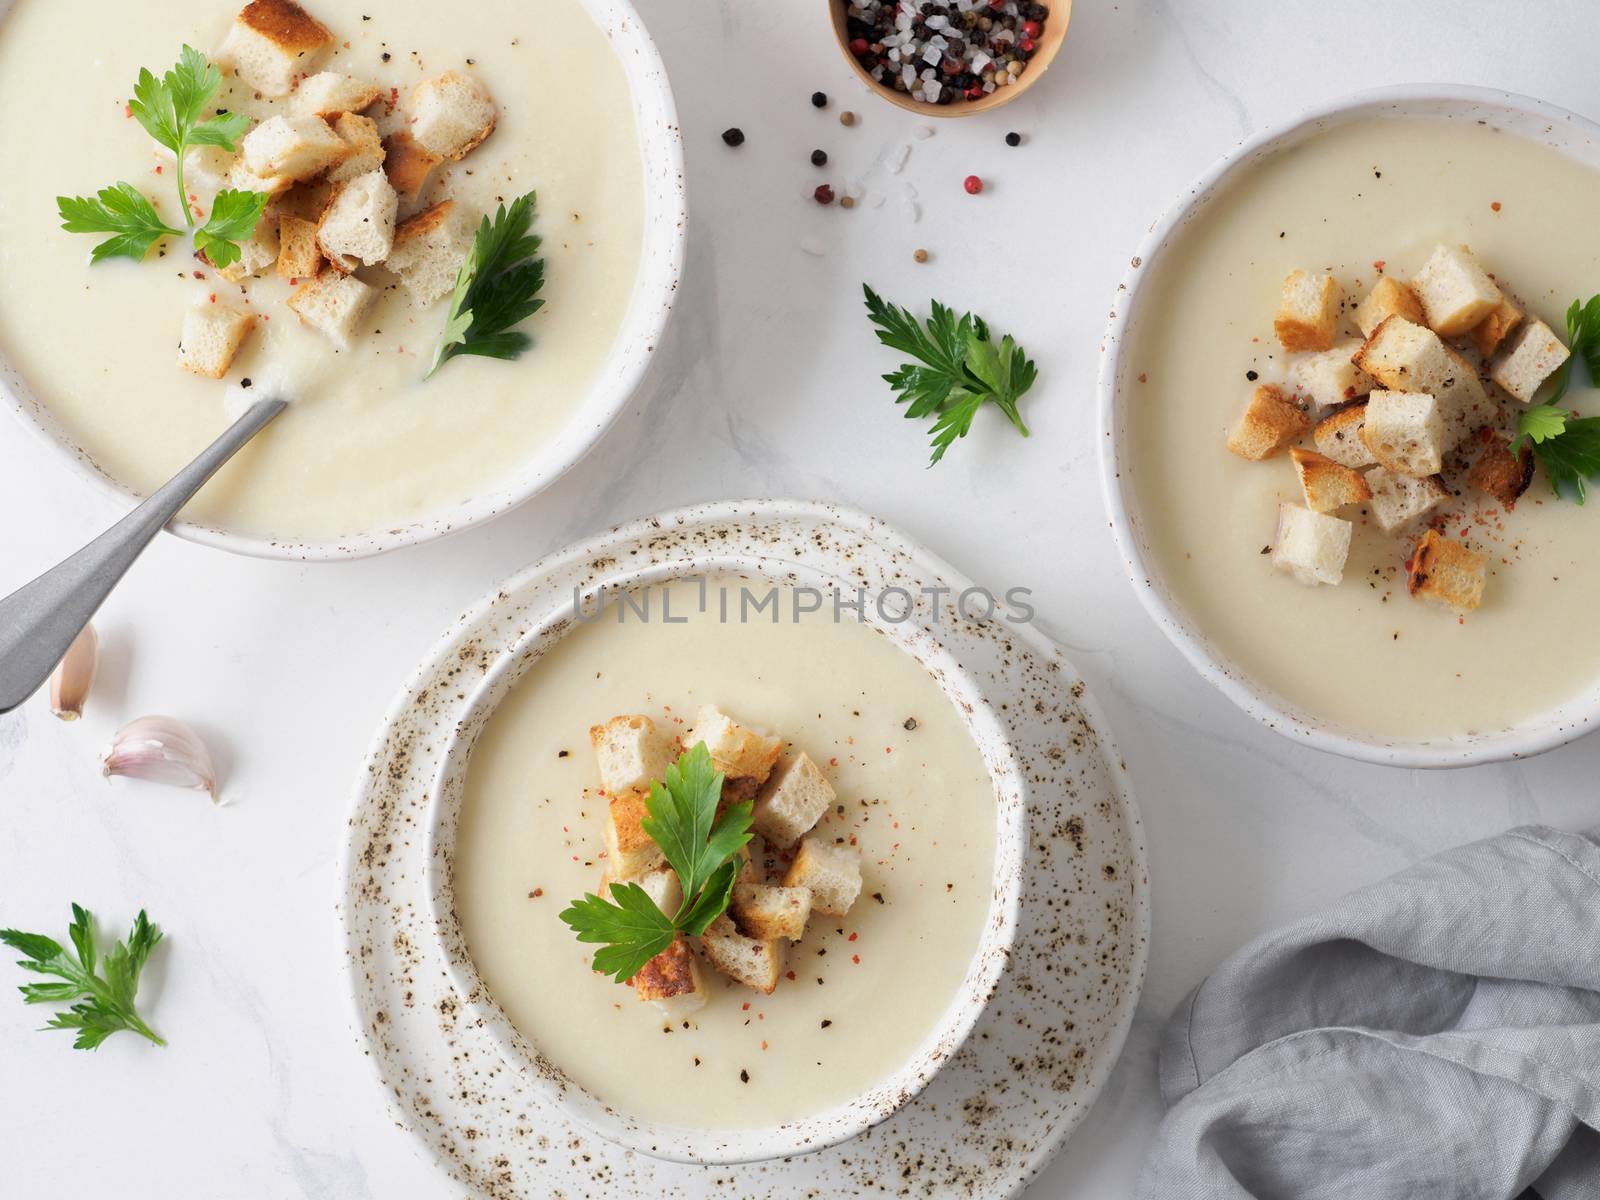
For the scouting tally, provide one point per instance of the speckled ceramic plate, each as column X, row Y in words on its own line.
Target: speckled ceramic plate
column 1040, row 1050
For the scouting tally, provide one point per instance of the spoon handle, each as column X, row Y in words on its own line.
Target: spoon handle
column 40, row 620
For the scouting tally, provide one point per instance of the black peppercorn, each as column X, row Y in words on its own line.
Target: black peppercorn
column 734, row 136
column 819, row 158
column 819, row 99
column 1013, row 139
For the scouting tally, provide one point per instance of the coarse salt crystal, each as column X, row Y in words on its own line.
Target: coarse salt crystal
column 813, row 247
column 909, row 74
column 911, row 211
column 922, row 133
column 894, row 158
column 931, row 54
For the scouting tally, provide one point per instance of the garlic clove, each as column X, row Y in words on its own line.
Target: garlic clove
column 161, row 750
column 74, row 675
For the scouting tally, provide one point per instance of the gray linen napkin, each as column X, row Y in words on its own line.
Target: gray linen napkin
column 1434, row 1035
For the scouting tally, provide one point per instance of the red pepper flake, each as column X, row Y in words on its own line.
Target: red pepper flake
column 1495, row 206
column 295, row 282
column 852, row 937
column 199, row 275
column 745, row 1007
column 763, row 1045
column 159, row 168
column 834, row 761
column 1378, row 265
column 888, row 749
column 213, row 297
column 127, row 110
column 856, row 958
column 789, row 975
column 535, row 894
column 1143, row 378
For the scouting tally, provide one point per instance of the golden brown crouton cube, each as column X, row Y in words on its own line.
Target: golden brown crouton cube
column 299, row 256
column 630, row 851
column 1308, row 313
column 631, row 753
column 1388, row 298
column 1271, row 421
column 212, row 335
column 1446, row 572
column 1338, row 435
column 271, row 43
column 751, row 961
column 832, row 873
column 407, row 163
column 793, row 800
column 1498, row 472
column 672, row 979
column 1328, row 486
column 1488, row 333
column 1456, row 292
column 738, row 752
column 767, row 913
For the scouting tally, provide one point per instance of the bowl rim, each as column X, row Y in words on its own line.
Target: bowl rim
column 998, row 99
column 1534, row 735
column 643, row 324
column 882, row 1098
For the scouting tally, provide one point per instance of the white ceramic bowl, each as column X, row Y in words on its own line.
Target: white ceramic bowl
column 642, row 554
column 1567, row 132
column 660, row 267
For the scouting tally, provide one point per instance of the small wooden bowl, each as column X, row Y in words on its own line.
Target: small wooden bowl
column 1055, row 32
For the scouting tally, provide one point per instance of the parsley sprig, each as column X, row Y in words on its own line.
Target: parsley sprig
column 962, row 369
column 171, row 109
column 701, row 846
column 496, row 288
column 1567, row 446
column 101, row 1001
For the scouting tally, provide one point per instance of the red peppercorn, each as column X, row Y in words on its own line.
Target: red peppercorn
column 951, row 66
column 1031, row 29
column 858, row 46
column 973, row 184
column 823, row 194
column 1026, row 45
column 975, row 92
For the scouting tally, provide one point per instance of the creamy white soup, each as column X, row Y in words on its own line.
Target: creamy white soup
column 860, row 992
column 367, row 445
column 1363, row 654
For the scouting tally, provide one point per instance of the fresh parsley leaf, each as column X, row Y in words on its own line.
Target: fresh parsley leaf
column 1583, row 339
column 962, row 369
column 233, row 219
column 119, row 210
column 631, row 929
column 104, row 1000
column 496, row 288
column 169, row 108
column 1570, row 456
column 701, row 846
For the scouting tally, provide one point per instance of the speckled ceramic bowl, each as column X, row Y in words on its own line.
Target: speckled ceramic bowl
column 1521, row 116
column 655, row 289
column 600, row 565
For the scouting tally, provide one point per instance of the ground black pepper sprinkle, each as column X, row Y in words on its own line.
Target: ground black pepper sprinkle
column 825, row 1024
column 744, row 1076
column 1252, row 376
column 819, row 158
column 819, row 99
column 734, row 136
column 911, row 723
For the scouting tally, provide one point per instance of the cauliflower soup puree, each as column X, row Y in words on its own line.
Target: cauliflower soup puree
column 367, row 443
column 1364, row 654
column 857, row 994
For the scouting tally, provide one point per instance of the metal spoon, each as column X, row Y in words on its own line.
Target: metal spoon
column 40, row 620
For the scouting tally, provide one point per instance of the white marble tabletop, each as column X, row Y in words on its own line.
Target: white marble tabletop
column 767, row 385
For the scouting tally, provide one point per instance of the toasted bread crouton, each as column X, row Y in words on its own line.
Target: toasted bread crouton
column 1456, row 292
column 1308, row 313
column 1488, row 333
column 1329, row 377
column 212, row 335
column 1405, row 357
column 1311, row 546
column 1405, row 432
column 334, row 304
column 329, row 93
column 793, row 800
column 1327, row 485
column 833, row 873
column 663, row 888
column 1399, row 500
column 739, row 753
column 429, row 249
column 307, row 200
column 358, row 226
column 631, row 752
column 1445, row 571
column 450, row 114
column 292, row 148
column 630, row 851
column 768, row 913
column 745, row 960
column 205, row 168
column 672, row 980
column 1388, row 298
column 1498, row 472
column 1271, row 421
column 1533, row 356
column 240, row 176
column 256, row 254
column 299, row 256
column 407, row 163
column 1338, row 435
column 360, row 135
column 271, row 43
